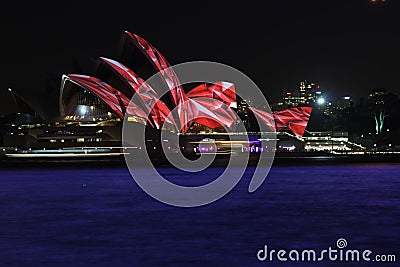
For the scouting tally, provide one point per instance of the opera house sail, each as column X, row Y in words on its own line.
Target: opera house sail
column 106, row 99
column 117, row 83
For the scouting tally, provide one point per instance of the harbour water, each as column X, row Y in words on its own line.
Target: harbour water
column 100, row 217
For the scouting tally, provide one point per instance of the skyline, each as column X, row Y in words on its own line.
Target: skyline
column 351, row 50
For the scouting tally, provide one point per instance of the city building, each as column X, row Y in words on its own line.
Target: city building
column 329, row 142
column 307, row 94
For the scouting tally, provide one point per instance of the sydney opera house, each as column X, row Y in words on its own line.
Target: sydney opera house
column 92, row 108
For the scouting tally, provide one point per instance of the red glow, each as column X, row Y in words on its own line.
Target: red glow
column 294, row 119
column 169, row 76
column 222, row 91
column 207, row 104
column 265, row 117
column 117, row 101
column 148, row 98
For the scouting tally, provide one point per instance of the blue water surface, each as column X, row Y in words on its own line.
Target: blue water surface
column 100, row 217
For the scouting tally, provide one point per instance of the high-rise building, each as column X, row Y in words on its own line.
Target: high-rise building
column 306, row 94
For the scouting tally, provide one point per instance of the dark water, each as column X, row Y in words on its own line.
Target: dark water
column 47, row 218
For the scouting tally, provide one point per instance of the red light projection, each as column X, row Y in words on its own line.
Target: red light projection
column 161, row 64
column 207, row 104
column 149, row 99
column 117, row 101
column 265, row 117
column 169, row 76
column 211, row 113
column 294, row 119
column 223, row 91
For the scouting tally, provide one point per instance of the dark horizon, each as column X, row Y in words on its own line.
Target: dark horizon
column 349, row 48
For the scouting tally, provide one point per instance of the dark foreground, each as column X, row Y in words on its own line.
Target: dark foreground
column 99, row 217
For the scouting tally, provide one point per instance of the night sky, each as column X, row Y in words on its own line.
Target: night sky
column 348, row 46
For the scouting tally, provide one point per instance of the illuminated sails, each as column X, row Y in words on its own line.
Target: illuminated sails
column 210, row 105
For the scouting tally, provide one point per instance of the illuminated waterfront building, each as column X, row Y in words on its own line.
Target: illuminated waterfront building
column 92, row 108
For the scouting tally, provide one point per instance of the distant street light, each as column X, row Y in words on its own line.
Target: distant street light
column 321, row 101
